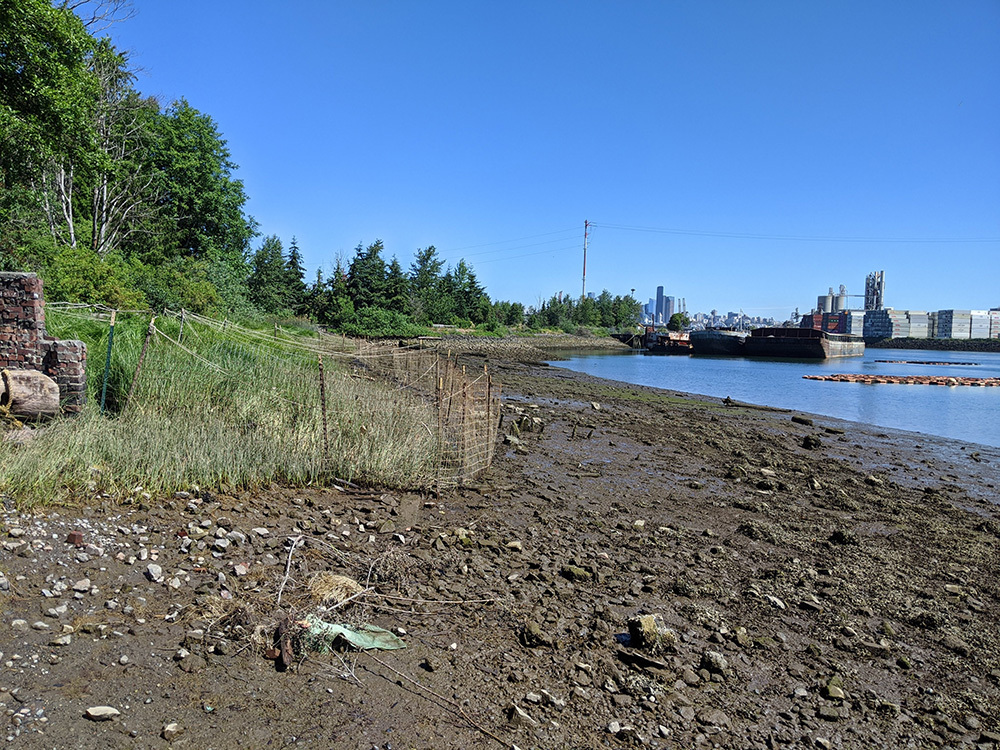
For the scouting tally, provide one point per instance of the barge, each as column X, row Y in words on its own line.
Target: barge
column 802, row 343
column 724, row 342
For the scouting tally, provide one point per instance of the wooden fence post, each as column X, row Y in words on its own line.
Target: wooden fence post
column 142, row 356
column 107, row 359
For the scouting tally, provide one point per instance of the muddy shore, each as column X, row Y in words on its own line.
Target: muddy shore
column 793, row 581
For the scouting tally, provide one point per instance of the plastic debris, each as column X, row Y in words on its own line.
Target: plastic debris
column 323, row 637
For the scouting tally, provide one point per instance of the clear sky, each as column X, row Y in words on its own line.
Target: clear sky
column 743, row 155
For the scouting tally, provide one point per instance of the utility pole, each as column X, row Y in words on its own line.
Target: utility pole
column 586, row 231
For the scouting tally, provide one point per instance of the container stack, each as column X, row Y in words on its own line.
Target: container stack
column 886, row 324
column 919, row 324
column 979, row 324
column 954, row 324
column 854, row 322
column 834, row 322
column 814, row 320
column 994, row 324
column 932, row 325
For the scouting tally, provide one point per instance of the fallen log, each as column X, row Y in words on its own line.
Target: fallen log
column 29, row 394
column 867, row 379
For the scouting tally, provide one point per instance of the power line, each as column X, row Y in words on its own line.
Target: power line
column 528, row 255
column 796, row 238
column 516, row 239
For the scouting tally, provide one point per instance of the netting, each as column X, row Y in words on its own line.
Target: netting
column 308, row 404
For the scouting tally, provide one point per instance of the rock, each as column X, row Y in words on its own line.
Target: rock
column 690, row 677
column 840, row 536
column 19, row 624
column 193, row 663
column 713, row 717
column 171, row 730
column 83, row 585
column 102, row 713
column 811, row 442
column 533, row 636
column 574, row 573
column 956, row 644
column 828, row 713
column 632, row 735
column 154, row 572
column 519, row 717
column 651, row 633
column 714, row 662
column 551, row 700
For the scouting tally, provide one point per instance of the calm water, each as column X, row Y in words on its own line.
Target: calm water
column 964, row 413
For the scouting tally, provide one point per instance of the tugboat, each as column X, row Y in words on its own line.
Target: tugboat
column 666, row 342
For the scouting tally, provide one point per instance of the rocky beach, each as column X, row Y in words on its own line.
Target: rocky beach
column 639, row 568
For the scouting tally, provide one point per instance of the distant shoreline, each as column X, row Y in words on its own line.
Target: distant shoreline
column 949, row 345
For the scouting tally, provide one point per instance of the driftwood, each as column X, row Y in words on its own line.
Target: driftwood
column 29, row 393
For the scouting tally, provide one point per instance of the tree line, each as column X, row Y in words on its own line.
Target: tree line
column 115, row 198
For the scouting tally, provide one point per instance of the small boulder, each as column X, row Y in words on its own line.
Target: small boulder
column 102, row 713
column 651, row 633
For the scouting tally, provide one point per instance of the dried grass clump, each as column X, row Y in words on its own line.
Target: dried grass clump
column 330, row 588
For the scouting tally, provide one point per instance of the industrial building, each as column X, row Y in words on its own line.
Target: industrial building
column 834, row 315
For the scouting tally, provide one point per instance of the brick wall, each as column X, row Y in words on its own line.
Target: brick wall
column 24, row 344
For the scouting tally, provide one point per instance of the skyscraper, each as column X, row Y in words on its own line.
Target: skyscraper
column 659, row 319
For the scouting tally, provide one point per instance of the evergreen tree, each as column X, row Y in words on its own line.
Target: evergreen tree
column 268, row 280
column 366, row 276
column 295, row 275
column 425, row 280
column 397, row 288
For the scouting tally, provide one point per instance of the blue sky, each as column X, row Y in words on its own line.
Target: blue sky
column 743, row 155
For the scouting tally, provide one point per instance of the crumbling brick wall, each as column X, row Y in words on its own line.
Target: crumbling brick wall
column 24, row 344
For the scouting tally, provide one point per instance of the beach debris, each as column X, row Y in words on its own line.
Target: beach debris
column 324, row 637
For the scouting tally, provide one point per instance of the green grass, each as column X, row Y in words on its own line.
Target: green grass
column 241, row 409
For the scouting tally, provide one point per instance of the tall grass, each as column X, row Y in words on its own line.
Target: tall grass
column 234, row 410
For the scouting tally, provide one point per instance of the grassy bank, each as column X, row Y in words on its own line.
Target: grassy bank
column 228, row 407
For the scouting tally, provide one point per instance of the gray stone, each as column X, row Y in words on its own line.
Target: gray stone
column 519, row 717
column 713, row 717
column 154, row 572
column 102, row 713
column 956, row 644
column 714, row 662
column 171, row 731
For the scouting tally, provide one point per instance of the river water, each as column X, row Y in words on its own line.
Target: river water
column 964, row 413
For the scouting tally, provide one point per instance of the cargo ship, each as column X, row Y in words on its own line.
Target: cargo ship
column 802, row 343
column 724, row 342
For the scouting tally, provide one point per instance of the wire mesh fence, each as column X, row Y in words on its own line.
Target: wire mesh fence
column 301, row 405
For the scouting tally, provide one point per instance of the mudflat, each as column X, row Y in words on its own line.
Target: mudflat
column 638, row 567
